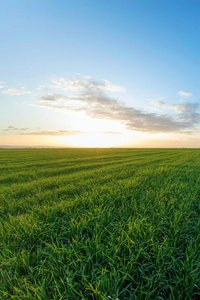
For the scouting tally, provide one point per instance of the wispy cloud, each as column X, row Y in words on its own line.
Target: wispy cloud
column 10, row 128
column 92, row 97
column 184, row 94
column 82, row 83
column 52, row 133
column 23, row 129
column 2, row 85
column 39, row 131
column 15, row 92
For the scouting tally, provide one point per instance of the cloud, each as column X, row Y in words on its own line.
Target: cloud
column 2, row 85
column 49, row 97
column 92, row 97
column 10, row 128
column 15, row 92
column 82, row 83
column 187, row 112
column 184, row 94
column 52, row 133
column 24, row 129
column 40, row 131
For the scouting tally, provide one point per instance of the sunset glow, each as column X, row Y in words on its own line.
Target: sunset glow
column 76, row 78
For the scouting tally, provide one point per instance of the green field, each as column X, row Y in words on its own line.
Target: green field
column 100, row 224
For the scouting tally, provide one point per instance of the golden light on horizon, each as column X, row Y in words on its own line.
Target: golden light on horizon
column 93, row 140
column 100, row 139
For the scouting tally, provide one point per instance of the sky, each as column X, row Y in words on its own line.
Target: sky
column 109, row 73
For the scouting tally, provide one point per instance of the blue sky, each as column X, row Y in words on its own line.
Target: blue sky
column 142, row 55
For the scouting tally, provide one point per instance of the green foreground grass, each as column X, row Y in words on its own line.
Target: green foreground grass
column 100, row 224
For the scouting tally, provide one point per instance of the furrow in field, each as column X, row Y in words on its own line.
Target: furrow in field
column 65, row 167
